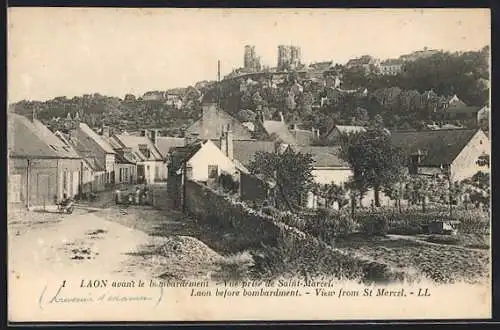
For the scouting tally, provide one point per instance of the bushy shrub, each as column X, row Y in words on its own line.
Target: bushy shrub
column 374, row 223
column 473, row 222
column 228, row 183
column 328, row 224
column 292, row 220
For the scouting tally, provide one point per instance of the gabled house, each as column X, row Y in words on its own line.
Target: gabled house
column 202, row 161
column 150, row 164
column 458, row 153
column 213, row 119
column 93, row 173
column 41, row 167
column 89, row 144
column 125, row 162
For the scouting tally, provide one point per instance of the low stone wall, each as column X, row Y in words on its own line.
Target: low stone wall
column 218, row 210
column 207, row 206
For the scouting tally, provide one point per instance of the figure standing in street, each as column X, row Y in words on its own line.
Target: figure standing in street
column 137, row 195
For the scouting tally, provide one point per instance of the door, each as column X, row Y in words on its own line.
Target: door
column 42, row 190
column 140, row 173
column 14, row 188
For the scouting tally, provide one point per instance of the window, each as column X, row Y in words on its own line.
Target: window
column 157, row 172
column 120, row 175
column 189, row 172
column 213, row 171
column 65, row 180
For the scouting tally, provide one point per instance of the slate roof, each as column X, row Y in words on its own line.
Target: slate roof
column 28, row 138
column 439, row 146
column 164, row 143
column 133, row 142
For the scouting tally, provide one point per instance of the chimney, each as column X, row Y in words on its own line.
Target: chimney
column 154, row 136
column 33, row 114
column 281, row 117
column 294, row 127
column 106, row 130
column 228, row 135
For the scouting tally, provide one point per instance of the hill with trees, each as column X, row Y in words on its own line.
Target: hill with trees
column 403, row 101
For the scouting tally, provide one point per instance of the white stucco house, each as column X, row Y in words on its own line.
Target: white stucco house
column 150, row 164
column 204, row 160
column 460, row 153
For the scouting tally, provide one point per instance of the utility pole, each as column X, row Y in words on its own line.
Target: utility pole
column 218, row 85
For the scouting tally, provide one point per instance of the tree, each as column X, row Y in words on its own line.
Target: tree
column 331, row 193
column 246, row 115
column 374, row 160
column 290, row 102
column 292, row 172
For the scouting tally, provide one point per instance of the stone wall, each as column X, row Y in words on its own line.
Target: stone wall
column 207, row 206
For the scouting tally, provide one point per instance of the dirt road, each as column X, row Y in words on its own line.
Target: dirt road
column 108, row 241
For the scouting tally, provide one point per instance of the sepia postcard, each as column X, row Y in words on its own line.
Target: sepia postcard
column 248, row 164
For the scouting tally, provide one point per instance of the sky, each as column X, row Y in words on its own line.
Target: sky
column 74, row 51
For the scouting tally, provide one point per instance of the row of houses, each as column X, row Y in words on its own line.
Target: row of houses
column 218, row 143
column 44, row 165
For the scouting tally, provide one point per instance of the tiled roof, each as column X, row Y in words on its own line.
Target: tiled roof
column 439, row 146
column 323, row 156
column 164, row 143
column 28, row 138
column 133, row 142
